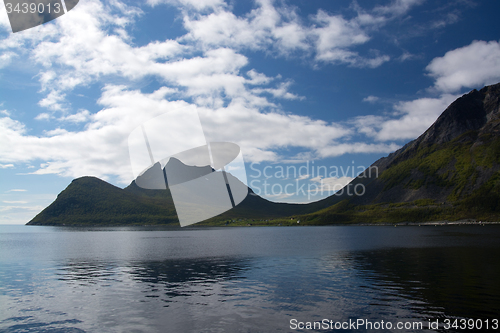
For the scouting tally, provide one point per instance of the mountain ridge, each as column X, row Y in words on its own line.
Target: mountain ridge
column 451, row 171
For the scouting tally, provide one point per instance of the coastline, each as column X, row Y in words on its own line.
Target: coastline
column 269, row 224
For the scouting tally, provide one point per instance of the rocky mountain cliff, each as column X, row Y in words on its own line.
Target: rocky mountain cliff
column 452, row 171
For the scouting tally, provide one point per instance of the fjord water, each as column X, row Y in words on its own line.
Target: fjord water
column 256, row 279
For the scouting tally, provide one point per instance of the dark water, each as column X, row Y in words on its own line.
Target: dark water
column 244, row 279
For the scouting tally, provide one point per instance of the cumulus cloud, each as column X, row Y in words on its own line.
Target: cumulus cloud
column 79, row 117
column 101, row 148
column 329, row 38
column 418, row 115
column 356, row 147
column 330, row 185
column 397, row 7
column 43, row 116
column 93, row 42
column 413, row 118
column 470, row 66
column 303, row 177
column 5, row 58
column 192, row 4
column 370, row 99
column 257, row 78
column 336, row 35
column 6, row 166
column 280, row 92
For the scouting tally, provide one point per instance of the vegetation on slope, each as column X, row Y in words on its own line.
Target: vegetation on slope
column 91, row 201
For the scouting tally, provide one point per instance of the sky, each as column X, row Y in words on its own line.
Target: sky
column 313, row 91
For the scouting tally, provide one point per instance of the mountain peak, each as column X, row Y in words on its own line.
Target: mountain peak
column 470, row 112
column 450, row 171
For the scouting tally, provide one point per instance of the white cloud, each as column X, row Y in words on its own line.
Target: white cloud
column 330, row 185
column 419, row 114
column 5, row 58
column 334, row 37
column 43, row 116
column 356, row 147
column 415, row 117
column 280, row 92
column 407, row 56
column 6, row 166
column 79, row 117
column 92, row 43
column 100, row 149
column 17, row 190
column 370, row 99
column 192, row 4
column 257, row 78
column 52, row 102
column 57, row 131
column 302, row 177
column 4, row 20
column 329, row 37
column 470, row 66
column 15, row 202
column 21, row 208
column 397, row 7
column 449, row 18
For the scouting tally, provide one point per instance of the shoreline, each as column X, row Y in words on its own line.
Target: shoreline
column 398, row 224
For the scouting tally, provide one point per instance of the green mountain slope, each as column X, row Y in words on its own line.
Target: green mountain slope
column 91, row 201
column 451, row 172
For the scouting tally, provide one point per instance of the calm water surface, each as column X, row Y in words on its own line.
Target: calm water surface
column 243, row 279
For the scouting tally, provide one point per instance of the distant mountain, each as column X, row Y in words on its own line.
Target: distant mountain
column 450, row 172
column 91, row 201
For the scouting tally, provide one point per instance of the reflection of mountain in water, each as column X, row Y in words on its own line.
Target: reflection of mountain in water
column 460, row 282
column 171, row 278
column 188, row 270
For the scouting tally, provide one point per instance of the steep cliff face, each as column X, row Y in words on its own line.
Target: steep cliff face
column 455, row 156
column 452, row 170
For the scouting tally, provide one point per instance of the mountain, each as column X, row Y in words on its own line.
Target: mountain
column 450, row 172
column 91, row 201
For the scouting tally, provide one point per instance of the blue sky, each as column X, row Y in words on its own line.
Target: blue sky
column 332, row 84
